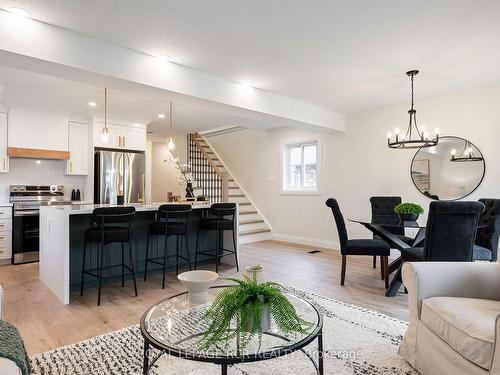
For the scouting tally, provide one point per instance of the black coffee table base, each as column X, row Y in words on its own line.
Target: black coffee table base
column 225, row 363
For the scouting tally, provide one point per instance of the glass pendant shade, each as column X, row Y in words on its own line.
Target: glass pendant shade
column 171, row 144
column 105, row 137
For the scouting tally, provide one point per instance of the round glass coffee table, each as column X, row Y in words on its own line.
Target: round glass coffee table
column 175, row 328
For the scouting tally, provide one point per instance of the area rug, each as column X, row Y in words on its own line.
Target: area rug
column 356, row 341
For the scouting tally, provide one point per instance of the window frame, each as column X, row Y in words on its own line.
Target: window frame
column 285, row 168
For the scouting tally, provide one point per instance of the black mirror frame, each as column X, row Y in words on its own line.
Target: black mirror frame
column 463, row 196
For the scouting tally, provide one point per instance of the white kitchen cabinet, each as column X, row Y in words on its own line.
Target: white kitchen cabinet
column 4, row 160
column 5, row 233
column 30, row 129
column 121, row 137
column 77, row 164
column 134, row 138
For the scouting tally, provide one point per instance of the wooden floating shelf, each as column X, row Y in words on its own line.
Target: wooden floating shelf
column 35, row 153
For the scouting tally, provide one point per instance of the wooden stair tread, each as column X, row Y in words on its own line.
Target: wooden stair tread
column 248, row 212
column 245, row 204
column 256, row 221
column 233, row 187
column 236, row 196
column 253, row 231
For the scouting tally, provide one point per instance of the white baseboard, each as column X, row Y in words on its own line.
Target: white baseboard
column 325, row 244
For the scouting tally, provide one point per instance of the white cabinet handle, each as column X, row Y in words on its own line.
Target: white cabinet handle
column 2, row 237
column 124, row 141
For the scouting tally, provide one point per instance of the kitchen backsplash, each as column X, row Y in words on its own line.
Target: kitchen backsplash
column 39, row 172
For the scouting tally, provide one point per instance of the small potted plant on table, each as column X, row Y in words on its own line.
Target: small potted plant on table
column 408, row 211
column 254, row 307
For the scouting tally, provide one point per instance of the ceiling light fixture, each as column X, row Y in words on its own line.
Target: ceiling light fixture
column 466, row 155
column 104, row 131
column 171, row 143
column 420, row 138
column 21, row 12
column 92, row 104
column 161, row 115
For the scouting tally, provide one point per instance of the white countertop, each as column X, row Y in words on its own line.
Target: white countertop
column 5, row 204
column 82, row 209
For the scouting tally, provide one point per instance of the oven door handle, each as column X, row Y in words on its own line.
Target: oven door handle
column 27, row 213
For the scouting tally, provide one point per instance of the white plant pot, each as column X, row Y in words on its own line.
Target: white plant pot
column 197, row 284
column 259, row 270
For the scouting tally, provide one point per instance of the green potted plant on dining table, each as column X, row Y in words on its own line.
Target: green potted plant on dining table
column 408, row 211
column 246, row 310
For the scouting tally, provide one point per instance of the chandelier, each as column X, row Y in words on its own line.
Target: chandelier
column 467, row 154
column 414, row 137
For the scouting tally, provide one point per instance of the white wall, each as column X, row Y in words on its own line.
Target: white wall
column 28, row 172
column 358, row 164
column 163, row 174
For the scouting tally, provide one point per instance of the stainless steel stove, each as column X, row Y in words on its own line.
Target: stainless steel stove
column 27, row 200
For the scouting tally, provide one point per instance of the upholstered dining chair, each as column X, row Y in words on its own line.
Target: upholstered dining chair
column 450, row 233
column 383, row 213
column 370, row 247
column 488, row 232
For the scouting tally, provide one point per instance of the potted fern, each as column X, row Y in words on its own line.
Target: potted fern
column 408, row 211
column 246, row 310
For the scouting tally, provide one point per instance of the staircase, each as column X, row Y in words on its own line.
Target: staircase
column 220, row 186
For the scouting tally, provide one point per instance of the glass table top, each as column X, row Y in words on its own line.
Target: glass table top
column 405, row 224
column 177, row 327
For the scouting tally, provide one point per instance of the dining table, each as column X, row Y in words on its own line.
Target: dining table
column 383, row 231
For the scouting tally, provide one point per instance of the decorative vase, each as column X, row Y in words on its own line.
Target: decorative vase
column 258, row 270
column 408, row 217
column 265, row 319
column 197, row 284
column 189, row 190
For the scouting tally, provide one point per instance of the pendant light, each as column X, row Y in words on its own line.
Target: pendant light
column 466, row 155
column 104, row 131
column 171, row 143
column 414, row 137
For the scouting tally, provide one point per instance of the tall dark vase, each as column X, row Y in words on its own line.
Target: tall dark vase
column 189, row 190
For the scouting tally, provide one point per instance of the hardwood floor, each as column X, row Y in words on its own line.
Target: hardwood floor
column 46, row 324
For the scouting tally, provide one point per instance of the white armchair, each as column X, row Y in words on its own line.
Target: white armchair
column 454, row 318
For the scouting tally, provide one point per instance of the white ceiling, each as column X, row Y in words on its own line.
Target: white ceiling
column 130, row 103
column 341, row 55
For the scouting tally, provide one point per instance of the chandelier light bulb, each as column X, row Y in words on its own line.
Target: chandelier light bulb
column 422, row 129
column 453, row 152
column 389, row 135
column 426, row 135
column 436, row 131
column 396, row 131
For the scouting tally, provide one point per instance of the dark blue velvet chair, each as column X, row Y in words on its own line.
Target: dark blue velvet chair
column 450, row 233
column 486, row 244
column 370, row 247
column 383, row 213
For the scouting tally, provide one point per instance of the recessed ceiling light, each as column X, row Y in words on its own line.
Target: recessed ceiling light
column 92, row 104
column 161, row 115
column 19, row 12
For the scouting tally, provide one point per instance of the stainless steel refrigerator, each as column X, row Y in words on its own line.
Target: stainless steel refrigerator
column 119, row 177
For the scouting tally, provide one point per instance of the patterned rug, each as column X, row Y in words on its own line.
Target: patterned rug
column 356, row 341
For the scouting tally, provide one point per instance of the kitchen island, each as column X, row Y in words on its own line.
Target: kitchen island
column 62, row 230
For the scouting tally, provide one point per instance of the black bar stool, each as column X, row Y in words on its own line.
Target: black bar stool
column 220, row 218
column 109, row 225
column 171, row 220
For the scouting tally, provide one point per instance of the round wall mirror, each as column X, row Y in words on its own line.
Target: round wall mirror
column 452, row 169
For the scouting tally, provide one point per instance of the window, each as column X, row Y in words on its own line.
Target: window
column 300, row 168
